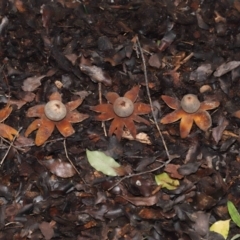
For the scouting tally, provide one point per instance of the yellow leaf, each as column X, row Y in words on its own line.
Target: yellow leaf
column 165, row 181
column 221, row 227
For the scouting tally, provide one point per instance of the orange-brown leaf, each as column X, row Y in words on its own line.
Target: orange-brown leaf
column 7, row 131
column 5, row 112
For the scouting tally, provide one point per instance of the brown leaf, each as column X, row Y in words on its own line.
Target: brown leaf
column 142, row 201
column 59, row 167
column 5, row 112
column 47, row 229
column 96, row 74
column 7, row 131
column 32, row 83
column 218, row 131
column 155, row 61
column 172, row 170
column 149, row 213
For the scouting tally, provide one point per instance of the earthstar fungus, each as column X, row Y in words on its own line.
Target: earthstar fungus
column 5, row 130
column 124, row 111
column 54, row 113
column 189, row 110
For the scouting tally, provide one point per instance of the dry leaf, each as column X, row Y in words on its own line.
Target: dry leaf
column 32, row 83
column 59, row 167
column 172, row 170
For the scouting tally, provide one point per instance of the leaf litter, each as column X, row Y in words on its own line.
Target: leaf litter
column 88, row 49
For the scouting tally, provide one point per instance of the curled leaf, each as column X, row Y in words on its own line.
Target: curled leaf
column 96, row 74
column 165, row 181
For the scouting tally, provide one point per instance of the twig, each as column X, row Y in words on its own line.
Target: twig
column 18, row 148
column 150, row 100
column 66, row 153
column 141, row 173
column 183, row 61
column 11, row 144
column 100, row 101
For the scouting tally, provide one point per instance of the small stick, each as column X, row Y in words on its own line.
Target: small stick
column 150, row 100
column 11, row 144
column 183, row 61
column 141, row 173
column 100, row 101
column 66, row 153
column 18, row 148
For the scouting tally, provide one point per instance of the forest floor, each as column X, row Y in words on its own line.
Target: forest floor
column 168, row 176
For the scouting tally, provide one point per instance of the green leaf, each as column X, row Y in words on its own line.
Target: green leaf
column 165, row 181
column 237, row 236
column 221, row 227
column 103, row 163
column 235, row 216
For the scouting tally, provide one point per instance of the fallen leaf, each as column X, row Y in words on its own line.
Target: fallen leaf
column 233, row 212
column 47, row 229
column 165, row 181
column 237, row 236
column 155, row 60
column 142, row 201
column 218, row 131
column 103, row 163
column 221, row 227
column 225, row 68
column 32, row 83
column 59, row 167
column 140, row 137
column 172, row 170
column 96, row 74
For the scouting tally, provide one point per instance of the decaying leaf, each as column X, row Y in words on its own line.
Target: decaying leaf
column 218, row 131
column 172, row 170
column 103, row 163
column 225, row 68
column 47, row 229
column 142, row 201
column 221, row 227
column 140, row 137
column 59, row 167
column 165, row 181
column 155, row 61
column 96, row 74
column 32, row 83
column 201, row 73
